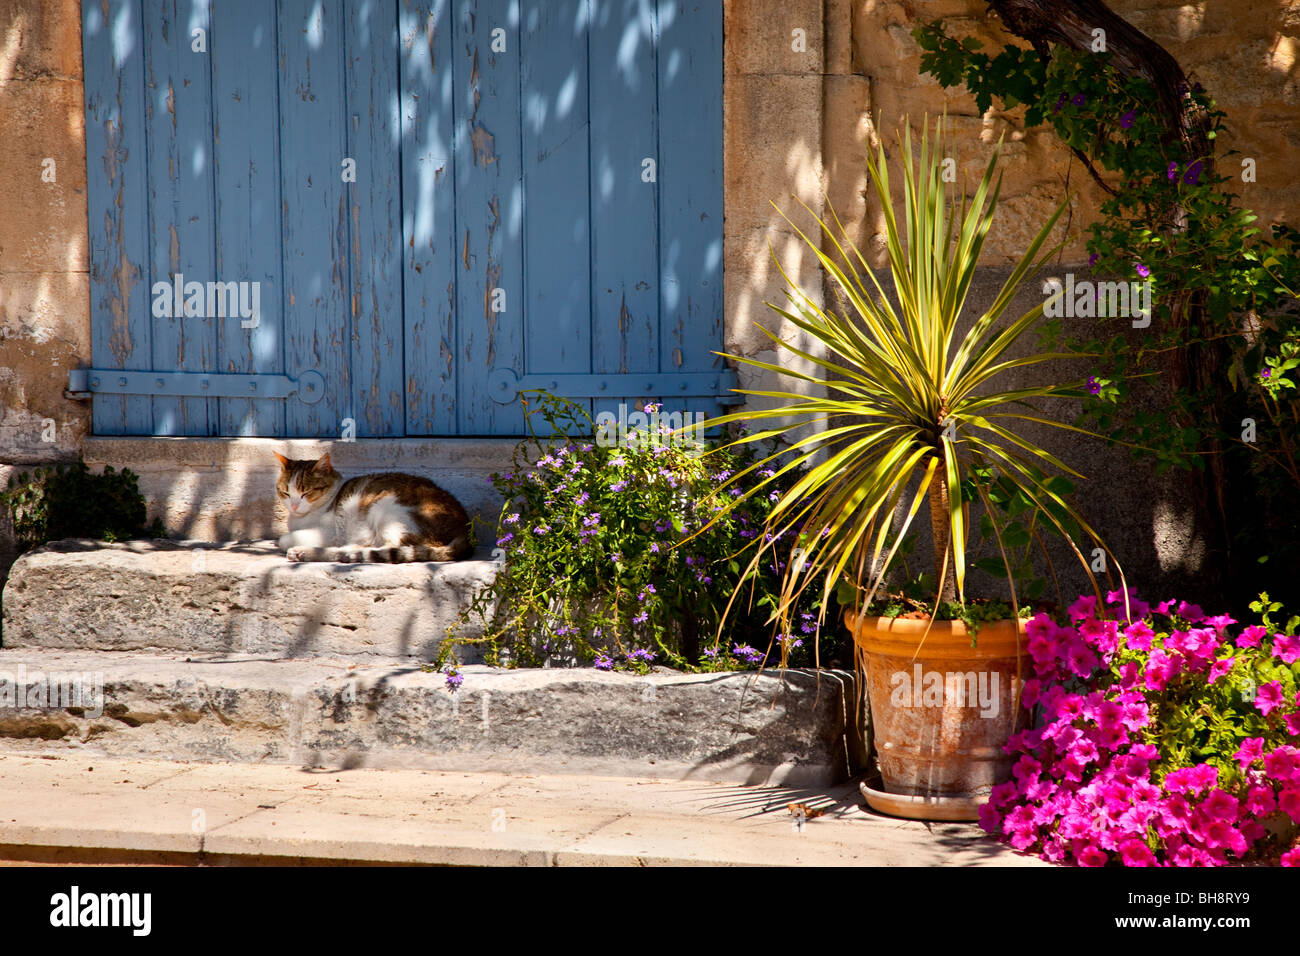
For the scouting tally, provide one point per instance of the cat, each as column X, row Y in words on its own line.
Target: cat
column 391, row 517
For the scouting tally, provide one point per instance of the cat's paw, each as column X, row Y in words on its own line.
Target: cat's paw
column 298, row 554
column 285, row 542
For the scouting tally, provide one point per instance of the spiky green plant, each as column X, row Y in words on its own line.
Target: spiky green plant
column 911, row 406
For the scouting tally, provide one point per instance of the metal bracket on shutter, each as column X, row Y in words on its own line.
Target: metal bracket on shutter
column 504, row 385
column 83, row 382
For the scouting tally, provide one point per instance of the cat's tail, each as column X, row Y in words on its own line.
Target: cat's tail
column 400, row 554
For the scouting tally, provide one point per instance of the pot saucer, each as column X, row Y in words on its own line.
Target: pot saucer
column 923, row 808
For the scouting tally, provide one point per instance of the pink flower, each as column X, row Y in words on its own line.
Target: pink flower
column 1291, row 857
column 1260, row 801
column 1287, row 648
column 1202, row 776
column 1138, row 636
column 1220, row 806
column 1085, row 607
column 1136, row 853
column 1090, row 855
column 1191, row 613
column 1220, row 622
column 1250, row 636
column 1219, row 668
column 1081, row 660
column 1251, row 749
column 1269, row 697
column 1289, row 802
column 1160, row 669
column 1292, row 722
column 1282, row 763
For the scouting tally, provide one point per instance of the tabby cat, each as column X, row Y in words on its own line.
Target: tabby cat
column 383, row 517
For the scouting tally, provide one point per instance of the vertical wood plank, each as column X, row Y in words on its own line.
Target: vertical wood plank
column 489, row 211
column 557, row 233
column 374, row 205
column 313, row 144
column 178, row 114
column 690, row 190
column 246, row 132
column 428, row 217
column 624, row 245
column 117, row 200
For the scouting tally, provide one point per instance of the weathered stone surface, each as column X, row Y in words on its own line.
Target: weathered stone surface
column 793, row 728
column 235, row 598
column 223, row 489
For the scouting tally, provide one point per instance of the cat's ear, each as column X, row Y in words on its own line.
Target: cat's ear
column 323, row 464
column 284, row 462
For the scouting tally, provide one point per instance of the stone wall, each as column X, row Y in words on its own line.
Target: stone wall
column 799, row 109
column 44, row 251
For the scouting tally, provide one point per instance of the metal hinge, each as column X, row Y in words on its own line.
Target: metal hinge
column 504, row 385
column 84, row 382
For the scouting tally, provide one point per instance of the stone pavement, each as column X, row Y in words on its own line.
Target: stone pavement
column 83, row 808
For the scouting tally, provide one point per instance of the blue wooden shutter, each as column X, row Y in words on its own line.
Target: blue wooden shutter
column 503, row 231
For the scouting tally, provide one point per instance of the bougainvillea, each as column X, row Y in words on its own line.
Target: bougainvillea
column 1160, row 740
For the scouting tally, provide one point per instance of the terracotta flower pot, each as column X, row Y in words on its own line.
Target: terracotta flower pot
column 941, row 711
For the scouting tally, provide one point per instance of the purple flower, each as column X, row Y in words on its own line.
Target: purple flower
column 641, row 618
column 641, row 654
column 591, row 520
column 711, row 652
column 1127, row 119
column 1142, row 270
column 541, row 529
column 1193, row 173
column 1172, row 172
column 618, row 461
column 1079, row 99
column 1094, row 386
column 1092, row 260
column 618, row 486
column 1265, row 373
column 454, row 678
column 582, row 498
column 654, row 547
column 511, row 519
column 505, row 540
column 604, row 663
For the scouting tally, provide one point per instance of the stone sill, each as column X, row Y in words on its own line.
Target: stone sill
column 223, row 489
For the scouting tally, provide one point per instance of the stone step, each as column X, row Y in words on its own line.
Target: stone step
column 235, row 598
column 794, row 727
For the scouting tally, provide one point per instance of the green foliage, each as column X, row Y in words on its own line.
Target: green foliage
column 911, row 406
column 67, row 501
column 1174, row 220
column 607, row 558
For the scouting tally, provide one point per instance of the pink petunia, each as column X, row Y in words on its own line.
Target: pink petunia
column 1251, row 749
column 1288, row 801
column 1283, row 764
column 1250, row 636
column 1291, row 857
column 1083, row 608
column 1134, row 852
column 1138, row 636
column 1219, row 668
column 1286, row 648
column 1269, row 697
column 1191, row 613
column 1090, row 855
column 1201, row 776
